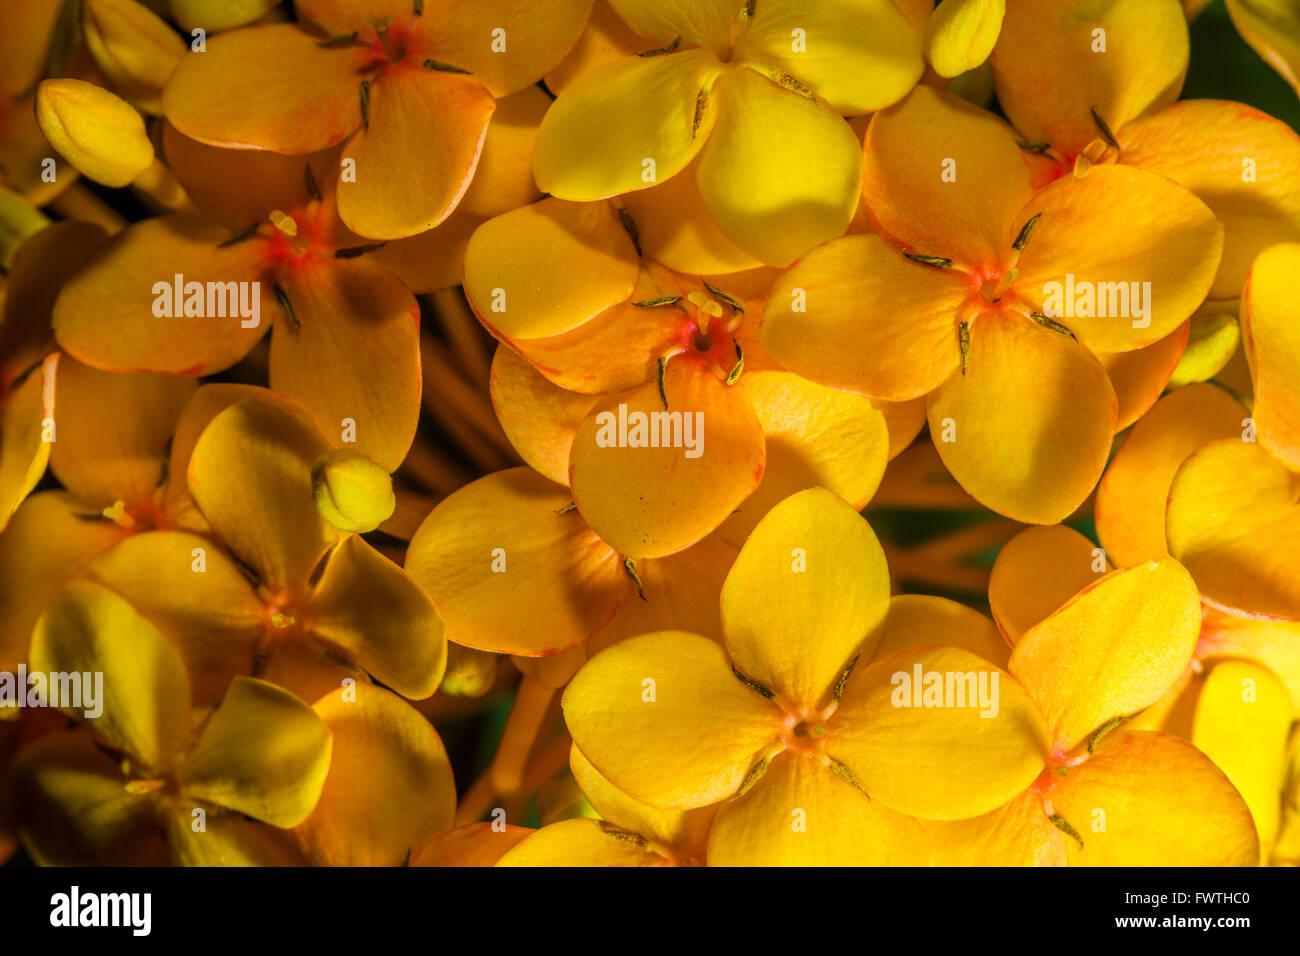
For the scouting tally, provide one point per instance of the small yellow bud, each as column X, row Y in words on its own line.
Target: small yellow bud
column 352, row 492
column 962, row 33
column 135, row 49
column 97, row 132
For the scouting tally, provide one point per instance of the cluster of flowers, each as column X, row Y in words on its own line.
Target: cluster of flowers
column 753, row 267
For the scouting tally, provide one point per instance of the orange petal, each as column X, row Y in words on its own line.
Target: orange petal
column 251, row 474
column 539, row 418
column 1140, row 376
column 1031, row 420
column 1233, row 521
column 478, row 844
column 503, row 179
column 919, row 620
column 1268, row 325
column 650, row 501
column 909, row 150
column 550, row 562
column 1018, row 833
column 353, row 357
column 812, row 322
column 1051, row 72
column 1245, row 172
column 1080, row 265
column 1111, row 650
column 417, row 154
column 337, row 17
column 605, row 38
column 1148, row 799
column 585, row 843
column 108, row 316
column 267, row 87
column 1274, row 644
column 1130, row 508
column 25, row 420
column 1036, row 572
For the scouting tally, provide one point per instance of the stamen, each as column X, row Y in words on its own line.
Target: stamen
column 285, row 223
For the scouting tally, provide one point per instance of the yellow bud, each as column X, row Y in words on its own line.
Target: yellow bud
column 217, row 15
column 97, row 132
column 352, row 492
column 135, row 49
column 961, row 34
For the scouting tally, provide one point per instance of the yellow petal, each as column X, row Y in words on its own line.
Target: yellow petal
column 263, row 752
column 859, row 56
column 961, row 34
column 24, row 449
column 918, row 620
column 97, row 132
column 664, row 719
column 706, row 22
column 1036, row 572
column 781, row 171
column 1271, row 28
column 366, row 606
column 807, row 594
column 503, row 179
column 1245, row 172
column 113, row 430
column 909, row 149
column 1111, row 650
column 800, row 813
column 1268, row 313
column 417, row 153
column 1140, row 376
column 1030, row 452
column 815, row 437
column 539, row 418
column 1130, row 508
column 1243, row 717
column 1018, row 833
column 973, row 753
column 144, row 702
column 1147, row 799
column 1273, row 644
column 135, row 48
column 626, row 125
column 251, row 474
column 584, row 843
column 478, row 844
column 812, row 322
column 553, row 567
column 520, row 268
column 226, row 840
column 389, row 786
column 650, row 501
column 74, row 810
column 1051, row 72
column 1172, row 234
column 1233, row 521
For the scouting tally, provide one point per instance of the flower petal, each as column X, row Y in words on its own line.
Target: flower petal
column 812, row 322
column 1273, row 644
column 263, row 752
column 267, row 87
column 353, row 357
column 1233, row 521
column 961, row 34
column 250, row 473
column 1018, row 833
column 780, row 628
column 1031, row 420
column 1243, row 717
column 417, row 153
column 477, row 844
column 539, row 418
column 624, row 126
column 1111, row 650
column 389, row 786
column 520, row 268
column 918, row 620
column 105, row 316
column 24, row 451
column 1163, row 803
column 1168, row 238
column 815, row 437
column 503, row 178
column 367, row 606
column 943, row 763
column 1130, row 507
column 113, row 431
column 706, row 22
column 554, row 567
column 781, row 171
column 585, row 843
column 1036, row 572
column 1140, row 376
column 1268, row 321
column 1245, row 173
column 1271, row 27
column 226, row 840
column 909, row 148
column 650, row 501
column 664, row 719
column 1052, row 67
column 144, row 699
column 800, row 813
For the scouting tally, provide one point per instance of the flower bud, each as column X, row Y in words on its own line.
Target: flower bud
column 97, row 132
column 135, row 49
column 351, row 492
